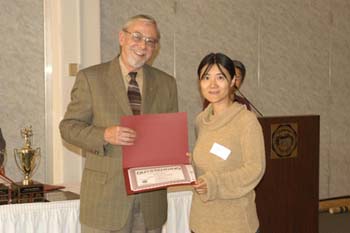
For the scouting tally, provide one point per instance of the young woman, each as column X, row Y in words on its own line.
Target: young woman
column 229, row 155
column 239, row 77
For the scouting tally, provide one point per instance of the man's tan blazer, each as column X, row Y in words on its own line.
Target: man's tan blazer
column 98, row 100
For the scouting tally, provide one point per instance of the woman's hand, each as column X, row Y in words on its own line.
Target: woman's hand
column 200, row 186
column 189, row 155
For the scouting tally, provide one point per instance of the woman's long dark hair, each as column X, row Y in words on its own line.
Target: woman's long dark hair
column 219, row 59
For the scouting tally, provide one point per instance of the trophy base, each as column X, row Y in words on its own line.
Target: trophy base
column 4, row 194
column 33, row 192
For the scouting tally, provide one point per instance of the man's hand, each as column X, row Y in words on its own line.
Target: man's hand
column 118, row 135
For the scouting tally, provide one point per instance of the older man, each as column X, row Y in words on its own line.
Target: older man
column 100, row 96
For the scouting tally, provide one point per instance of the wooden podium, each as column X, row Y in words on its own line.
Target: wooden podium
column 287, row 196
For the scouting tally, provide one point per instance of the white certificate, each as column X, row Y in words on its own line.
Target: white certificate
column 145, row 178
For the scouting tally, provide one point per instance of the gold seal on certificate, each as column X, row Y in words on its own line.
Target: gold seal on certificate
column 142, row 178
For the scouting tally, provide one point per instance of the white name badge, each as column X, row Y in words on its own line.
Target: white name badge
column 220, row 151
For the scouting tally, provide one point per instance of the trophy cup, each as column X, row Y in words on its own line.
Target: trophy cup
column 27, row 160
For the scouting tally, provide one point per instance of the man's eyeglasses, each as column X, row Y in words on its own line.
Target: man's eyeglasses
column 138, row 37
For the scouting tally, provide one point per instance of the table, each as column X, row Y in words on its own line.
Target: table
column 63, row 216
column 43, row 217
column 179, row 205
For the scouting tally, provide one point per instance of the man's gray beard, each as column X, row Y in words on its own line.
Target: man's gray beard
column 135, row 64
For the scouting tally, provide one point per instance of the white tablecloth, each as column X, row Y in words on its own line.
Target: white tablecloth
column 63, row 216
column 179, row 205
column 44, row 217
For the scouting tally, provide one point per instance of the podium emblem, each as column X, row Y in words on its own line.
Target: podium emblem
column 284, row 140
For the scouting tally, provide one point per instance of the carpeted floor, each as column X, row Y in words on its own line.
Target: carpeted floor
column 334, row 223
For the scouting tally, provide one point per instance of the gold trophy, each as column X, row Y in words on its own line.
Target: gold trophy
column 27, row 160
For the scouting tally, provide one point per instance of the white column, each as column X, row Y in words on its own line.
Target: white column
column 72, row 36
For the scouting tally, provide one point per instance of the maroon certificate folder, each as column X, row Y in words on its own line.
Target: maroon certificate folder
column 158, row 157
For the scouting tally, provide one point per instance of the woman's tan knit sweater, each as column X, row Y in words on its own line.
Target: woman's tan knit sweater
column 229, row 205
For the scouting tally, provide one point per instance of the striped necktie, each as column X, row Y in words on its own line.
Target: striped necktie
column 134, row 94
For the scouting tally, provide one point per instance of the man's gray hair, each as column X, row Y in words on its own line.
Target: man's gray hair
column 146, row 18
